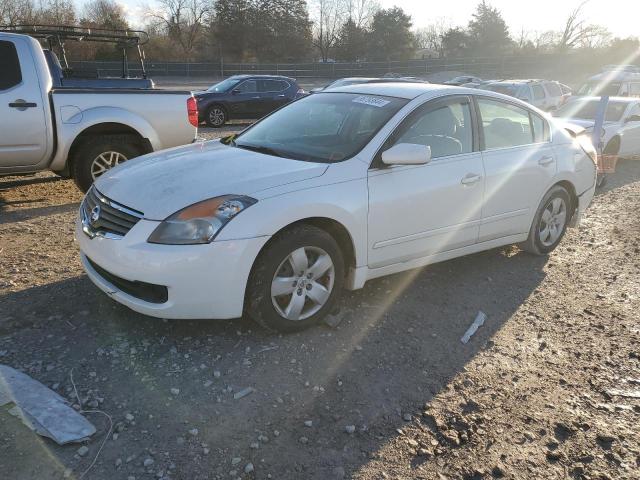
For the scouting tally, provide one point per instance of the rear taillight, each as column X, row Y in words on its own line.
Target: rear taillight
column 192, row 111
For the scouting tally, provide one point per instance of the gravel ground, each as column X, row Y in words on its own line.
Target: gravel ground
column 538, row 392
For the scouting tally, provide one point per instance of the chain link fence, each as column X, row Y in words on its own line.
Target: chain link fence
column 564, row 67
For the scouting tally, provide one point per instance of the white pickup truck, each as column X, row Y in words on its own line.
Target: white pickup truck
column 80, row 132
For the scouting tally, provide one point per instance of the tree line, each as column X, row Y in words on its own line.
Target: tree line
column 313, row 30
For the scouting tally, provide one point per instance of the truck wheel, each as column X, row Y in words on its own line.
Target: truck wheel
column 97, row 155
column 296, row 280
column 216, row 116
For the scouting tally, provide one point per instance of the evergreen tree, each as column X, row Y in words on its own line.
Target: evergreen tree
column 488, row 32
column 391, row 37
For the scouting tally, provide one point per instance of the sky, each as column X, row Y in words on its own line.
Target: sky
column 621, row 17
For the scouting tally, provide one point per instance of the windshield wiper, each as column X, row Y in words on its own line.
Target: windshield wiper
column 260, row 149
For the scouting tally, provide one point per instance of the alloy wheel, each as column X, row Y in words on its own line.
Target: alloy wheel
column 216, row 116
column 303, row 283
column 106, row 161
column 552, row 222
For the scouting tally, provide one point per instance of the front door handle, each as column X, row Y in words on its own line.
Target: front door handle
column 21, row 104
column 281, row 96
column 546, row 160
column 470, row 179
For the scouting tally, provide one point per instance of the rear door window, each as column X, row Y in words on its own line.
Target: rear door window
column 10, row 73
column 553, row 89
column 538, row 92
column 273, row 86
column 504, row 125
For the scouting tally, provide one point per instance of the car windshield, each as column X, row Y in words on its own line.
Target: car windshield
column 344, row 83
column 223, row 86
column 327, row 127
column 504, row 88
column 588, row 110
column 597, row 89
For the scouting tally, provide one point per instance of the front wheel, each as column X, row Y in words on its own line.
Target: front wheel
column 550, row 222
column 296, row 281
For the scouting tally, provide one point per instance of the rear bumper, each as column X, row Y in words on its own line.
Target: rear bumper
column 584, row 200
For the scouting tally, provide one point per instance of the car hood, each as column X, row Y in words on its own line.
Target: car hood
column 586, row 124
column 159, row 184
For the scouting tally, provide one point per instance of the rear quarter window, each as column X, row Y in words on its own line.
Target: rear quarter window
column 10, row 74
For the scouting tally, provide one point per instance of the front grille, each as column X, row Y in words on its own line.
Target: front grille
column 112, row 218
column 148, row 292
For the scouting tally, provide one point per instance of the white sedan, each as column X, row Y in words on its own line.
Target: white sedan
column 621, row 127
column 328, row 192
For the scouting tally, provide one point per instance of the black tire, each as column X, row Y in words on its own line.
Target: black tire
column 88, row 152
column 533, row 243
column 216, row 116
column 259, row 303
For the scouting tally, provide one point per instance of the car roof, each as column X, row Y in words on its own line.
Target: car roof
column 611, row 99
column 615, row 76
column 247, row 76
column 405, row 90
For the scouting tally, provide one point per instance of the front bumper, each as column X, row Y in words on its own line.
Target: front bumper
column 202, row 281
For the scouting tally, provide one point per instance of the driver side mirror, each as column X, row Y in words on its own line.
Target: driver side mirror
column 235, row 91
column 407, row 154
column 633, row 118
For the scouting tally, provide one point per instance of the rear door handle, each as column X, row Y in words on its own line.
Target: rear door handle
column 546, row 161
column 281, row 96
column 22, row 104
column 470, row 179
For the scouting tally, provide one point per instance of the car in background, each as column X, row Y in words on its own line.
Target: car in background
column 345, row 82
column 543, row 94
column 462, row 80
column 621, row 124
column 567, row 93
column 245, row 97
column 331, row 191
column 613, row 83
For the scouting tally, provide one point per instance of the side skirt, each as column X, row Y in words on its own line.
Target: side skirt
column 359, row 276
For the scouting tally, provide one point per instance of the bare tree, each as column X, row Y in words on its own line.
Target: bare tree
column 361, row 12
column 184, row 21
column 328, row 16
column 104, row 13
column 430, row 37
column 14, row 12
column 578, row 33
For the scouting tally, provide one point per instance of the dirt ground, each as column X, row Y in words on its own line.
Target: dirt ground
column 544, row 390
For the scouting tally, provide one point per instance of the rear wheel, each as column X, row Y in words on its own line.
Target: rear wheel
column 216, row 116
column 99, row 154
column 296, row 281
column 550, row 223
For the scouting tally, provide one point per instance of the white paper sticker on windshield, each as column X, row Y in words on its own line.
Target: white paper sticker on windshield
column 373, row 101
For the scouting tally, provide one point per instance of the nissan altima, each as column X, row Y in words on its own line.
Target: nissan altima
column 331, row 191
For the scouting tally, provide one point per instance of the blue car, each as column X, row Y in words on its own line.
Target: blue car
column 245, row 96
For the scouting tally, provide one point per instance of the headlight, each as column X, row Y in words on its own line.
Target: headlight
column 200, row 222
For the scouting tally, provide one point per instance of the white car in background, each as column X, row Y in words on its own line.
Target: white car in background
column 331, row 191
column 621, row 124
column 544, row 94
